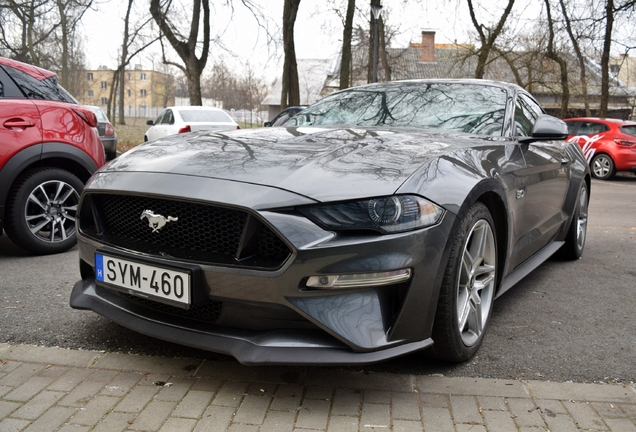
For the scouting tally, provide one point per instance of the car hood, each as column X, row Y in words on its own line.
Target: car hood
column 323, row 164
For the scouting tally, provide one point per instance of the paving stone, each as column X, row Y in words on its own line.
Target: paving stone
column 94, row 410
column 206, row 384
column 5, row 389
column 7, row 408
column 52, row 356
column 73, row 428
column 178, row 425
column 38, row 405
column 287, row 397
column 376, row 396
column 375, row 416
column 470, row 428
column 533, row 429
column 561, row 423
column 152, row 379
column 261, row 389
column 434, row 400
column 584, row 415
column 70, row 379
column 499, row 421
column 102, row 376
column 346, row 402
column 136, row 399
column 407, row 426
column 215, row 419
column 147, row 364
column 343, row 424
column 492, row 403
column 239, row 427
column 20, row 375
column 465, row 410
column 405, row 406
column 619, row 425
column 193, row 404
column 582, row 392
column 81, row 394
column 53, row 371
column 13, row 425
column 51, row 419
column 471, row 386
column 356, row 380
column 153, row 415
column 526, row 412
column 115, row 422
column 29, row 389
column 253, row 409
column 238, row 372
column 121, row 384
column 437, row 419
column 177, row 390
column 279, row 421
column 7, row 366
column 550, row 407
column 608, row 410
column 313, row 414
column 231, row 394
column 322, row 393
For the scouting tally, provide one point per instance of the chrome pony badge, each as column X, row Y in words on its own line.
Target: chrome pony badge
column 155, row 221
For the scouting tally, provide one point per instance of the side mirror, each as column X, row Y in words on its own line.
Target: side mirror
column 547, row 128
column 267, row 124
column 150, row 123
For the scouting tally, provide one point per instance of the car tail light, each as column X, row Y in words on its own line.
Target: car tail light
column 185, row 129
column 624, row 142
column 88, row 116
column 109, row 129
column 238, row 127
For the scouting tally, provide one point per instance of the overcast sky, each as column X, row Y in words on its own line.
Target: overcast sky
column 318, row 31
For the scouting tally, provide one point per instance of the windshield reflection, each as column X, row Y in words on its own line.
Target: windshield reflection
column 451, row 107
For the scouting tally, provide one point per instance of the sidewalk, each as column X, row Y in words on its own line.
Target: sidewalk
column 51, row 389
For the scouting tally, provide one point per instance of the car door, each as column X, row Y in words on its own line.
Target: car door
column 590, row 136
column 168, row 124
column 20, row 124
column 543, row 185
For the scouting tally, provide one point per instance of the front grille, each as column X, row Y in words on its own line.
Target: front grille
column 209, row 311
column 201, row 233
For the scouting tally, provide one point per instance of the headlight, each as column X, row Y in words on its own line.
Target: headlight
column 386, row 214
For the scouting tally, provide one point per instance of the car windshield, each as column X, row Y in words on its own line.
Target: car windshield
column 204, row 116
column 629, row 130
column 46, row 89
column 453, row 107
column 101, row 117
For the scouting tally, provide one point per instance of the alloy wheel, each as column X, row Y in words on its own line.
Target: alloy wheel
column 50, row 211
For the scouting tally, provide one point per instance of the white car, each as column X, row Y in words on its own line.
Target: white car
column 183, row 119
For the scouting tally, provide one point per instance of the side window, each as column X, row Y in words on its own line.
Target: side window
column 527, row 111
column 572, row 127
column 160, row 118
column 168, row 117
column 591, row 128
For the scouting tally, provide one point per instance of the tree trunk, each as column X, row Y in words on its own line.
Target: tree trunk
column 64, row 28
column 345, row 61
column 290, row 94
column 553, row 55
column 579, row 56
column 605, row 57
column 384, row 58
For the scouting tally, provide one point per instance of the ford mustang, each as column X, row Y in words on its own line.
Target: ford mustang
column 382, row 220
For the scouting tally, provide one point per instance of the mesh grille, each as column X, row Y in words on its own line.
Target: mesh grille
column 200, row 233
column 206, row 312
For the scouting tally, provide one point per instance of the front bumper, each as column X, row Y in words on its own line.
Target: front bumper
column 271, row 316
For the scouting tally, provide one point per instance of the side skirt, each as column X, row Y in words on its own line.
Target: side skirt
column 524, row 269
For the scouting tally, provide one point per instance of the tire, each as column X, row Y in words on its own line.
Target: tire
column 603, row 167
column 41, row 210
column 468, row 288
column 574, row 244
column 111, row 155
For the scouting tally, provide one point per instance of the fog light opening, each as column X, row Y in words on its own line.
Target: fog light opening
column 359, row 279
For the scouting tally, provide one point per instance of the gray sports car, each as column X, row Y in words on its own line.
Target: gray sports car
column 384, row 220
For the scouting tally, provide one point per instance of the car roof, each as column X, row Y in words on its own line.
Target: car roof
column 34, row 71
column 474, row 81
column 194, row 107
column 618, row 122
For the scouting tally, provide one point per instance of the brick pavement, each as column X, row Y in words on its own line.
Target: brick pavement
column 52, row 389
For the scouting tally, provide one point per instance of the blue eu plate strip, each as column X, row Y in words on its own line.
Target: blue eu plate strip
column 99, row 267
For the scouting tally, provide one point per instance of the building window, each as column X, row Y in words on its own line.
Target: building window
column 104, row 101
column 142, row 93
column 91, row 93
column 615, row 68
column 142, row 76
column 129, row 93
column 104, row 85
column 89, row 76
column 128, row 76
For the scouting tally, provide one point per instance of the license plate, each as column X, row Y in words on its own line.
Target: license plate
column 148, row 281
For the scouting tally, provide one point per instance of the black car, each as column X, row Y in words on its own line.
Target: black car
column 283, row 116
column 106, row 132
column 383, row 220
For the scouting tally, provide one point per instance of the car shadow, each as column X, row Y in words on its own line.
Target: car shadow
column 9, row 249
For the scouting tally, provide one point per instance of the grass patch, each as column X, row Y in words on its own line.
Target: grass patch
column 131, row 134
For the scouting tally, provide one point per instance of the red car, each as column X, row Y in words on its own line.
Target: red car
column 609, row 145
column 49, row 147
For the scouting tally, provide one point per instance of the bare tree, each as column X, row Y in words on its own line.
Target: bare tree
column 186, row 48
column 579, row 55
column 487, row 36
column 290, row 94
column 345, row 60
column 553, row 54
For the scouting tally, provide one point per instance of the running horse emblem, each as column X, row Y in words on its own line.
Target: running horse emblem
column 155, row 221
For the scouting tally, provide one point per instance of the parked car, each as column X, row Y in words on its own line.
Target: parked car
column 106, row 132
column 282, row 117
column 184, row 119
column 49, row 147
column 609, row 145
column 384, row 220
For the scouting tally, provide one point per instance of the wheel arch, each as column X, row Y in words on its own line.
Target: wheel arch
column 497, row 209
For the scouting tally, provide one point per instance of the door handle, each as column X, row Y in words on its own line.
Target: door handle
column 17, row 123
